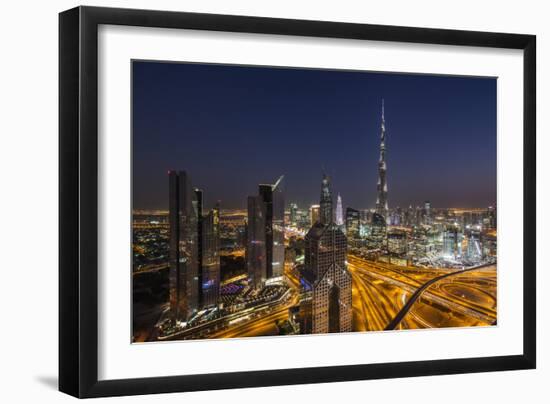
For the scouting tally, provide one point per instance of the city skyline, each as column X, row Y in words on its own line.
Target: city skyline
column 431, row 168
column 199, row 273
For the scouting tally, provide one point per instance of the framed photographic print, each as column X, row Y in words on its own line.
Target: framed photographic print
column 251, row 201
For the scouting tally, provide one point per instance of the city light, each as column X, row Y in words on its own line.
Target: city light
column 279, row 268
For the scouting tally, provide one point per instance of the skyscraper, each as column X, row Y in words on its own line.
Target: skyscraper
column 197, row 204
column 210, row 245
column 353, row 224
column 325, row 212
column 382, row 186
column 452, row 242
column 184, row 264
column 378, row 228
column 273, row 199
column 339, row 211
column 293, row 214
column 255, row 243
column 474, row 251
column 427, row 212
column 327, row 304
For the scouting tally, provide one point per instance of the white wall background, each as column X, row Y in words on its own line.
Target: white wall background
column 28, row 201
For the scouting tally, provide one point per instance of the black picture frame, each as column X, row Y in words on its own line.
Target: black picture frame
column 78, row 206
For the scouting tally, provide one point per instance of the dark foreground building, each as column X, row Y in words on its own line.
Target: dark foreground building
column 274, row 204
column 265, row 248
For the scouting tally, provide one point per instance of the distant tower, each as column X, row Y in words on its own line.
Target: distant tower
column 293, row 214
column 339, row 212
column 382, row 187
column 326, row 202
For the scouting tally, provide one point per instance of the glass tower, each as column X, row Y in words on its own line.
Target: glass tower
column 255, row 243
column 272, row 197
column 210, row 245
column 184, row 264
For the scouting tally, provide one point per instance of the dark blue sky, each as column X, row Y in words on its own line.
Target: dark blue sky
column 233, row 127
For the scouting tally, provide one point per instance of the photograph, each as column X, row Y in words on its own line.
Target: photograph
column 276, row 201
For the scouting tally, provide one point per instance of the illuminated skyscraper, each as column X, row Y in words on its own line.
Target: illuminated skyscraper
column 427, row 212
column 339, row 212
column 325, row 214
column 378, row 229
column 474, row 251
column 184, row 264
column 273, row 199
column 314, row 214
column 452, row 243
column 353, row 223
column 382, row 186
column 293, row 214
column 327, row 305
column 210, row 246
column 197, row 204
column 255, row 243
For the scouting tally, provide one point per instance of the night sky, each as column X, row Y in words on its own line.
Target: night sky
column 233, row 127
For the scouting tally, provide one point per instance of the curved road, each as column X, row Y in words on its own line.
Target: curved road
column 405, row 309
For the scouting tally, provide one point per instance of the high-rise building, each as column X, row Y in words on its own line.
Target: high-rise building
column 197, row 205
column 378, row 229
column 314, row 214
column 273, row 198
column 325, row 274
column 210, row 246
column 397, row 243
column 325, row 213
column 474, row 250
column 452, row 242
column 339, row 212
column 184, row 264
column 427, row 212
column 255, row 244
column 490, row 220
column 293, row 214
column 353, row 224
column 410, row 217
column 382, row 186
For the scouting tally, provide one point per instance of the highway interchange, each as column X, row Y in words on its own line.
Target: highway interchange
column 454, row 298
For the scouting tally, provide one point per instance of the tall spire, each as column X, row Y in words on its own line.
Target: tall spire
column 325, row 214
column 382, row 186
column 339, row 211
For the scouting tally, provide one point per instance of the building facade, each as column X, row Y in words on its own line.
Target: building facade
column 353, row 224
column 210, row 257
column 256, row 256
column 272, row 196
